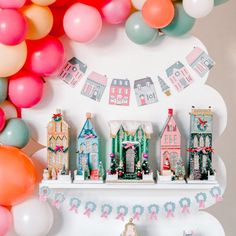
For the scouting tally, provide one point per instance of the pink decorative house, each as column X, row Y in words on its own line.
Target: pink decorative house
column 170, row 146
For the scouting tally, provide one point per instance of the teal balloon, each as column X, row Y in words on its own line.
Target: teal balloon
column 138, row 31
column 181, row 24
column 219, row 2
column 3, row 89
column 15, row 133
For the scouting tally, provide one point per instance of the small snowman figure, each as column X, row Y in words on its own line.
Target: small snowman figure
column 54, row 174
column 130, row 229
column 46, row 175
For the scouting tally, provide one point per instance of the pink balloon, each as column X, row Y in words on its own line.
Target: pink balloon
column 13, row 27
column 5, row 220
column 45, row 56
column 116, row 11
column 2, row 120
column 82, row 23
column 12, row 3
column 25, row 89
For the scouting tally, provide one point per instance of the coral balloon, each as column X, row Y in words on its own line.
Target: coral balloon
column 13, row 27
column 40, row 21
column 9, row 110
column 5, row 220
column 198, row 8
column 2, row 120
column 138, row 4
column 16, row 133
column 82, row 23
column 43, row 2
column 25, row 89
column 12, row 58
column 158, row 13
column 17, row 176
column 45, row 56
column 58, row 15
column 116, row 11
column 12, row 4
column 3, row 89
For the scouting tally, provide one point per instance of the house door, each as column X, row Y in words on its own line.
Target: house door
column 130, row 161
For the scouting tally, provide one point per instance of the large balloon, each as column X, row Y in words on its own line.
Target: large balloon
column 158, row 13
column 198, row 8
column 32, row 218
column 138, row 30
column 5, row 220
column 58, row 15
column 138, row 4
column 45, row 56
column 12, row 3
column 17, row 176
column 62, row 3
column 43, row 2
column 2, row 120
column 219, row 2
column 40, row 21
column 181, row 24
column 13, row 27
column 12, row 58
column 116, row 11
column 3, row 89
column 82, row 23
column 25, row 89
column 9, row 109
column 15, row 133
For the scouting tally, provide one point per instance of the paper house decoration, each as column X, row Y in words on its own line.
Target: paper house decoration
column 179, row 76
column 200, row 145
column 88, row 151
column 94, row 86
column 164, row 87
column 120, row 92
column 130, row 141
column 57, row 144
column 73, row 71
column 200, row 61
column 145, row 91
column 170, row 145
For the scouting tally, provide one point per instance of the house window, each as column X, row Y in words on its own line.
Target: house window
column 148, row 84
column 195, row 141
column 170, row 128
column 126, row 91
column 177, row 73
column 166, row 139
column 120, row 82
column 208, row 142
column 130, row 161
column 201, row 141
column 175, row 139
column 196, row 162
column 115, row 82
column 88, row 146
column 170, row 139
column 113, row 90
column 120, row 91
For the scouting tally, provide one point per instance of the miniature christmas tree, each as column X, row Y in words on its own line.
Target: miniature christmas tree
column 121, row 169
column 113, row 164
column 101, row 170
column 180, row 169
column 139, row 170
column 164, row 87
column 63, row 171
column 209, row 163
column 145, row 164
column 86, row 172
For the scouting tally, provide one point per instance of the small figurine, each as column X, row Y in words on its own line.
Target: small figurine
column 46, row 175
column 54, row 174
column 130, row 229
column 164, row 87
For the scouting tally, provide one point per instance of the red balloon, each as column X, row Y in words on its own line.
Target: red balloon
column 18, row 176
column 2, row 119
column 97, row 4
column 62, row 3
column 58, row 15
column 45, row 56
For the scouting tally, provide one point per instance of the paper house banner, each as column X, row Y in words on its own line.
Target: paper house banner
column 94, row 86
column 200, row 61
column 164, row 86
column 119, row 92
column 179, row 76
column 73, row 71
column 145, row 91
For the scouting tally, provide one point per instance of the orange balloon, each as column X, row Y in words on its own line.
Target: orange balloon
column 17, row 176
column 158, row 13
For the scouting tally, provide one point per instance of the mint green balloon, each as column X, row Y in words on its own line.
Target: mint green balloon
column 15, row 133
column 219, row 2
column 181, row 24
column 3, row 89
column 138, row 31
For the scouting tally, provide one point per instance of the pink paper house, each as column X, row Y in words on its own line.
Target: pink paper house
column 170, row 145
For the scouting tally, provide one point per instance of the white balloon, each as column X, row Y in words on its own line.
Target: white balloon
column 198, row 8
column 138, row 4
column 32, row 218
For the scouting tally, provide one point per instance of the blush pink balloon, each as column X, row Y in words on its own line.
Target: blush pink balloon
column 25, row 89
column 12, row 3
column 116, row 11
column 82, row 23
column 5, row 220
column 13, row 27
column 2, row 120
column 45, row 56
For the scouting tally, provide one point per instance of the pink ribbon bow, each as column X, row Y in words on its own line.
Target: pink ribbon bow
column 74, row 208
column 170, row 214
column 153, row 216
column 58, row 148
column 129, row 145
column 185, row 209
column 136, row 216
column 202, row 204
column 88, row 212
column 218, row 198
column 88, row 136
column 56, row 203
column 105, row 214
column 121, row 216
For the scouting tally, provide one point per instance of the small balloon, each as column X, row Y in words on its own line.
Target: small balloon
column 45, row 56
column 5, row 220
column 9, row 110
column 181, row 24
column 39, row 19
column 25, row 89
column 116, row 11
column 219, row 2
column 198, row 8
column 3, row 89
column 12, row 58
column 15, row 133
column 18, row 176
column 82, row 23
column 2, row 120
column 138, row 4
column 13, row 27
column 12, row 4
column 43, row 2
column 138, row 31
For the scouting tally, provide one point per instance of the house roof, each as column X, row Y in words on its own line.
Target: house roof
column 87, row 125
column 97, row 78
column 202, row 111
column 75, row 61
column 121, row 82
column 178, row 65
column 197, row 52
column 142, row 82
column 130, row 126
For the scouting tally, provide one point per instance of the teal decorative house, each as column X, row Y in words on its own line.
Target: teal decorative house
column 89, row 166
column 130, row 148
